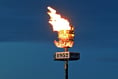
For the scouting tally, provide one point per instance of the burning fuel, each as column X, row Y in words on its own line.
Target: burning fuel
column 63, row 27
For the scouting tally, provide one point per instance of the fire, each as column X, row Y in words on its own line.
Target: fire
column 63, row 27
column 56, row 20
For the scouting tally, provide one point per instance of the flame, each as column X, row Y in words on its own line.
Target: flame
column 66, row 38
column 57, row 21
column 63, row 27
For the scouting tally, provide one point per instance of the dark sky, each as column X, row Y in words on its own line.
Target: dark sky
column 26, row 39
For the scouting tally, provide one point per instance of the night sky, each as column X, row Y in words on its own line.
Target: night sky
column 26, row 39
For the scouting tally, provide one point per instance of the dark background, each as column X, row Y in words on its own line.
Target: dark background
column 26, row 39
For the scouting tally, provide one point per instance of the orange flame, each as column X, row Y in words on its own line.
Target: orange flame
column 62, row 26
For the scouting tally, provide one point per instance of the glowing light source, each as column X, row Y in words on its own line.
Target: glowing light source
column 63, row 27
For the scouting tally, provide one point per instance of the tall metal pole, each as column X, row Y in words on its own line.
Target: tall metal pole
column 66, row 65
